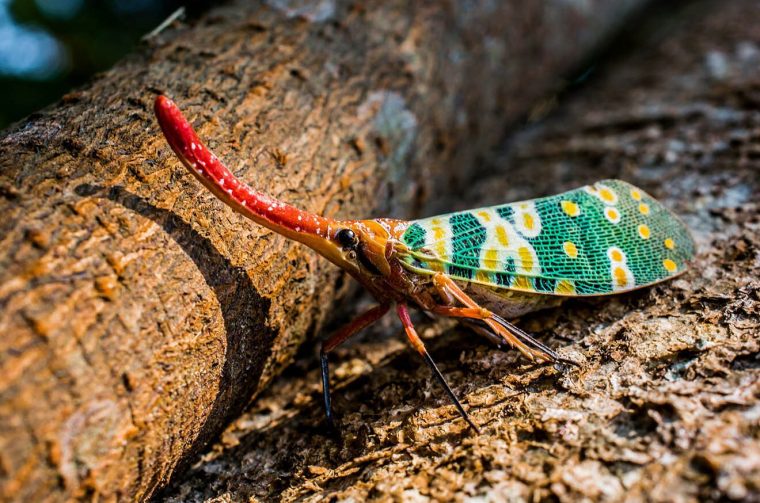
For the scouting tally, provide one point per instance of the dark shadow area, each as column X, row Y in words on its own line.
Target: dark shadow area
column 239, row 301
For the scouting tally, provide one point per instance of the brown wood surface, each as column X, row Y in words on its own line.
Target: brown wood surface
column 667, row 405
column 138, row 315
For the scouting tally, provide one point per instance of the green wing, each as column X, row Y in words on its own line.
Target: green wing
column 605, row 238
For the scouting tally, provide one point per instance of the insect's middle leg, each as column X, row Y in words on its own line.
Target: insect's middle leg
column 360, row 323
column 448, row 308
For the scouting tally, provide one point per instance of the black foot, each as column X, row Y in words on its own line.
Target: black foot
column 452, row 396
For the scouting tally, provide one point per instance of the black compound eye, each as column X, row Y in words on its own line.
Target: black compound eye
column 347, row 238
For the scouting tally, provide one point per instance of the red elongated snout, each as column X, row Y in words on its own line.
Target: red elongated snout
column 322, row 234
column 202, row 163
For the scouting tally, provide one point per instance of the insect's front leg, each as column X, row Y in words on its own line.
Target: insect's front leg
column 358, row 324
column 419, row 346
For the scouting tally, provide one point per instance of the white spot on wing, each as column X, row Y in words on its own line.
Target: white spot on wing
column 491, row 220
column 527, row 221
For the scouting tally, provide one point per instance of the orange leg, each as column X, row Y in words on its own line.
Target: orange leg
column 360, row 323
column 419, row 346
column 463, row 312
column 445, row 284
column 524, row 342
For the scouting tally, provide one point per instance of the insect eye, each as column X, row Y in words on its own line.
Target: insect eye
column 347, row 238
column 352, row 255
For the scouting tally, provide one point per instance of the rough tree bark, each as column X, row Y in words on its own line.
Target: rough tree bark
column 138, row 315
column 667, row 405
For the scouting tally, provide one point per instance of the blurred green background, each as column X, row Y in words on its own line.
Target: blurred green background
column 48, row 47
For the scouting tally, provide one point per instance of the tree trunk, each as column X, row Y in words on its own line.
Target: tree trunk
column 666, row 405
column 138, row 314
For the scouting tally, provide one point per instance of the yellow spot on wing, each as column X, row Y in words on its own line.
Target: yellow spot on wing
column 616, row 255
column 670, row 244
column 483, row 277
column 526, row 258
column 528, row 221
column 501, row 236
column 522, row 283
column 621, row 278
column 491, row 260
column 607, row 195
column 570, row 249
column 644, row 208
column 644, row 231
column 635, row 194
column 612, row 215
column 438, row 233
column 485, row 216
column 564, row 287
column 440, row 249
column 570, row 208
column 669, row 265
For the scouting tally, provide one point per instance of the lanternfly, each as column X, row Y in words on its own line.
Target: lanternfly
column 481, row 266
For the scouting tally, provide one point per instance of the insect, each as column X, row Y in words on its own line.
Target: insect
column 482, row 266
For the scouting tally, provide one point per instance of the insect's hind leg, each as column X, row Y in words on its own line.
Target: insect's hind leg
column 524, row 342
column 411, row 333
column 531, row 341
column 483, row 331
column 448, row 289
column 359, row 323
